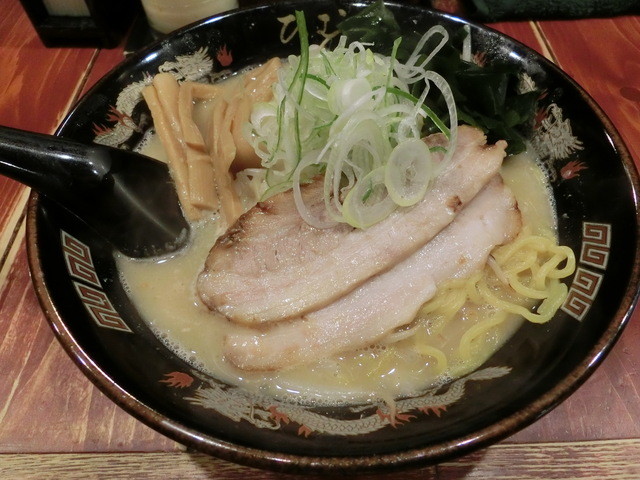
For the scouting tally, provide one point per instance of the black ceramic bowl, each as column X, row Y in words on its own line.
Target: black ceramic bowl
column 595, row 185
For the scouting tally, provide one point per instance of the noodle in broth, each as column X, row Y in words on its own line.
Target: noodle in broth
column 454, row 333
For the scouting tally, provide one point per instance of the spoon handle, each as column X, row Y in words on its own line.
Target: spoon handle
column 52, row 165
column 128, row 198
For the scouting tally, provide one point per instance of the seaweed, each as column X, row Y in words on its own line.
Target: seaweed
column 486, row 93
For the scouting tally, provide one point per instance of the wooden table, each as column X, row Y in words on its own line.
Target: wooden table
column 55, row 424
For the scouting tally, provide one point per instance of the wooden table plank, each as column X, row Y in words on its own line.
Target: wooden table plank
column 37, row 85
column 104, row 62
column 600, row 460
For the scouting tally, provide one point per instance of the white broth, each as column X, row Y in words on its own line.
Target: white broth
column 163, row 291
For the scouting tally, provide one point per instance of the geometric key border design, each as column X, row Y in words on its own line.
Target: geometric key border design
column 77, row 257
column 594, row 253
column 596, row 245
column 582, row 293
column 100, row 307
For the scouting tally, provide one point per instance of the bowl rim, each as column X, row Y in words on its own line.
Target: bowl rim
column 296, row 463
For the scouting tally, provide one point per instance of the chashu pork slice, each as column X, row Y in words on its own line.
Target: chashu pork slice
column 389, row 300
column 271, row 265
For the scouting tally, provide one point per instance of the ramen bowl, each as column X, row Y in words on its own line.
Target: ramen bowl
column 80, row 289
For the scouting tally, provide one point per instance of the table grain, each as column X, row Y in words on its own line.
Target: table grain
column 54, row 424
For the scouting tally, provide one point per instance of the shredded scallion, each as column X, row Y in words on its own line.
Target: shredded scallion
column 350, row 114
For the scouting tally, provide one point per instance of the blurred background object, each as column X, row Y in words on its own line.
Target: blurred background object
column 81, row 23
column 164, row 16
column 500, row 10
column 102, row 23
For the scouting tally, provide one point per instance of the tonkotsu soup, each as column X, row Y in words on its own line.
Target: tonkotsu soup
column 163, row 290
column 347, row 118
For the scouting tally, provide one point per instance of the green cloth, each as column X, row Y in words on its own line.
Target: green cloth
column 497, row 10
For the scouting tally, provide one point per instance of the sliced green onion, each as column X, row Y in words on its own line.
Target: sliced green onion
column 318, row 79
column 429, row 112
column 409, row 172
column 344, row 92
column 368, row 202
column 300, row 77
column 343, row 112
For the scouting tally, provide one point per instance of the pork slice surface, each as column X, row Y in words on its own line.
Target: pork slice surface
column 389, row 300
column 271, row 265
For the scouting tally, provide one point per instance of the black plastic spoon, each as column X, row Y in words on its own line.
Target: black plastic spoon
column 128, row 198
